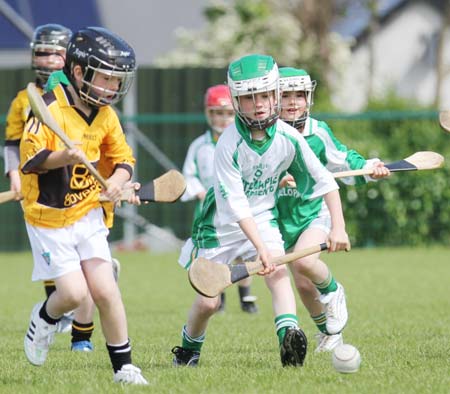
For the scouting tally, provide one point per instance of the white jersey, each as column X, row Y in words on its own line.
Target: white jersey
column 198, row 169
column 246, row 181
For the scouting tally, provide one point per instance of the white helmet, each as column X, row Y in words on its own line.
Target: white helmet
column 298, row 80
column 250, row 75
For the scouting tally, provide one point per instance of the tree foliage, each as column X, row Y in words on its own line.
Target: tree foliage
column 285, row 30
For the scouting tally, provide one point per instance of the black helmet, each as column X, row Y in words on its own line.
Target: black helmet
column 48, row 40
column 98, row 50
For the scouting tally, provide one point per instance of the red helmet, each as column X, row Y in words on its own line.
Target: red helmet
column 218, row 96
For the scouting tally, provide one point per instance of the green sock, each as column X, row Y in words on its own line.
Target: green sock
column 192, row 343
column 321, row 322
column 282, row 323
column 328, row 285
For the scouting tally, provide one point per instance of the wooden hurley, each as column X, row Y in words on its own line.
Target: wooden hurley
column 210, row 279
column 418, row 161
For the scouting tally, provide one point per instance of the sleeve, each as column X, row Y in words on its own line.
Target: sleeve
column 115, row 149
column 15, row 122
column 232, row 203
column 16, row 118
column 36, row 145
column 339, row 158
column 312, row 178
column 190, row 172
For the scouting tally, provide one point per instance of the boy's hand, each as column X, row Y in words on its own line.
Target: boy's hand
column 133, row 199
column 338, row 240
column 264, row 256
column 380, row 171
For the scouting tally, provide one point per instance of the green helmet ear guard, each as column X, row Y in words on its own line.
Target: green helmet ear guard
column 254, row 74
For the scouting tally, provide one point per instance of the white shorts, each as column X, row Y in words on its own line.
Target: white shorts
column 322, row 222
column 242, row 249
column 58, row 251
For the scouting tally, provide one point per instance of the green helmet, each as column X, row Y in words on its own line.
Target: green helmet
column 250, row 75
column 294, row 80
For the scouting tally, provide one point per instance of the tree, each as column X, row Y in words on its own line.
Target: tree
column 296, row 33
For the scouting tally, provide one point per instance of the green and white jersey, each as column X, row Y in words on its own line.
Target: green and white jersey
column 246, row 178
column 198, row 169
column 296, row 213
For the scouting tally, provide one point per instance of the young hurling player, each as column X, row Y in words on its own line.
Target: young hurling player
column 64, row 218
column 48, row 53
column 199, row 171
column 82, row 321
column 238, row 219
column 307, row 222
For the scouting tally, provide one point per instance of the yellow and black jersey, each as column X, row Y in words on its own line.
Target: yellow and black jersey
column 59, row 197
column 106, row 168
column 17, row 117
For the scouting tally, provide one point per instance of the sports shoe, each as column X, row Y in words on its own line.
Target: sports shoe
column 82, row 346
column 185, row 357
column 248, row 304
column 65, row 324
column 294, row 346
column 326, row 343
column 335, row 310
column 38, row 337
column 116, row 269
column 129, row 374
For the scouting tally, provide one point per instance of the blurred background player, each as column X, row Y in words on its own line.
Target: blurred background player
column 198, row 169
column 64, row 218
column 238, row 218
column 305, row 223
column 48, row 53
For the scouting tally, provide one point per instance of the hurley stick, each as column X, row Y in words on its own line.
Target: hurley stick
column 210, row 279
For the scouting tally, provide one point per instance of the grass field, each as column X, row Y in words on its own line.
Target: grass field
column 399, row 308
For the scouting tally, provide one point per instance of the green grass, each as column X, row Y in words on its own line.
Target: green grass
column 399, row 307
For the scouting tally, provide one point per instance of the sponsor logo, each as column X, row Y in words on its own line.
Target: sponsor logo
column 46, row 257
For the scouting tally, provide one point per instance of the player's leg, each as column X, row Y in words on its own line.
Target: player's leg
column 82, row 321
column 106, row 295
column 71, row 289
column 59, row 260
column 95, row 256
column 247, row 301
column 83, row 326
column 65, row 324
column 328, row 292
column 292, row 340
column 193, row 333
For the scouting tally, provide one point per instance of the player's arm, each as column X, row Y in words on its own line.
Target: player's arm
column 338, row 237
column 340, row 158
column 14, row 129
column 119, row 155
column 249, row 228
column 194, row 186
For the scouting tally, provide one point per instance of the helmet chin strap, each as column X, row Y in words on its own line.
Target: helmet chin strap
column 259, row 124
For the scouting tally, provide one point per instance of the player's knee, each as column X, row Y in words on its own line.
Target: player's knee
column 304, row 265
column 304, row 285
column 207, row 306
column 72, row 297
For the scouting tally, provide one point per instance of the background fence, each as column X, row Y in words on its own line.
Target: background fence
column 406, row 209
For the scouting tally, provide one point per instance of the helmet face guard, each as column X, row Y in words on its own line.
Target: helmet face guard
column 252, row 75
column 105, row 94
column 298, row 80
column 218, row 108
column 108, row 66
column 48, row 50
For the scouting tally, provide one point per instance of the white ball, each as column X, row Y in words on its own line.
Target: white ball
column 346, row 358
